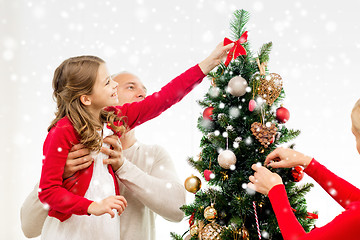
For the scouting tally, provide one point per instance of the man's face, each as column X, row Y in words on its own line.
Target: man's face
column 130, row 88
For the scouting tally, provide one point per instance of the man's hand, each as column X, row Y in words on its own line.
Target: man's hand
column 79, row 158
column 115, row 153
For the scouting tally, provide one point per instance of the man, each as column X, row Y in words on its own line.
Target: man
column 146, row 176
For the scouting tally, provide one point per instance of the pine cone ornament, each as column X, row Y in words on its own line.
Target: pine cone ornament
column 263, row 133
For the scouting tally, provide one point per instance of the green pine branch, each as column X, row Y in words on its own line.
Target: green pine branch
column 265, row 52
column 287, row 135
column 238, row 22
column 176, row 236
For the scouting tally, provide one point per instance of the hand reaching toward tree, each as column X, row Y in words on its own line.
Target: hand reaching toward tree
column 286, row 158
column 263, row 179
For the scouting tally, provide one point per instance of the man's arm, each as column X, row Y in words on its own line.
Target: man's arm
column 160, row 189
column 32, row 214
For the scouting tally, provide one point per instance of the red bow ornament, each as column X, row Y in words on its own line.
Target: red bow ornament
column 237, row 49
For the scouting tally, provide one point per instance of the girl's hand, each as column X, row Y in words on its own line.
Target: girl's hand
column 263, row 179
column 115, row 154
column 286, row 158
column 215, row 58
column 107, row 205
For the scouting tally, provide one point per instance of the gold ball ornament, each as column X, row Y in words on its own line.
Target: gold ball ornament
column 194, row 230
column 237, row 86
column 210, row 213
column 192, row 184
column 226, row 159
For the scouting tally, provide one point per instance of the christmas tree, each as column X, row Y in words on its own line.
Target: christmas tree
column 242, row 123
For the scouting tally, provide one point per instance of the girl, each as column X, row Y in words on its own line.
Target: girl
column 344, row 226
column 82, row 89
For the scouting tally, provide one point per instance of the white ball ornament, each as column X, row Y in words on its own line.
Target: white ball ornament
column 226, row 158
column 237, row 86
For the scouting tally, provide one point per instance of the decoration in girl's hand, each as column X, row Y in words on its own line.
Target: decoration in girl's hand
column 282, row 114
column 237, row 86
column 192, row 184
column 207, row 113
column 297, row 173
column 237, row 49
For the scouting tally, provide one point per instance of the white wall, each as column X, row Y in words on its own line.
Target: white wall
column 316, row 49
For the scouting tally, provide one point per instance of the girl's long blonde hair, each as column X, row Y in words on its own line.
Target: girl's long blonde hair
column 75, row 77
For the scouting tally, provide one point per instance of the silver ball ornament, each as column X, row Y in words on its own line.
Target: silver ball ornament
column 237, row 86
column 226, row 159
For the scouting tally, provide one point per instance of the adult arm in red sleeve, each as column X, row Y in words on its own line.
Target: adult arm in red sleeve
column 153, row 105
column 340, row 190
column 56, row 148
column 344, row 226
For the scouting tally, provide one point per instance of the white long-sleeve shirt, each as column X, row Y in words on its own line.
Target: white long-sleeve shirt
column 149, row 183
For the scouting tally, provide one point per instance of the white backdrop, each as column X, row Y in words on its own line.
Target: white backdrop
column 316, row 49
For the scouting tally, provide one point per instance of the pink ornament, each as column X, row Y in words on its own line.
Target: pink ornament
column 252, row 105
column 207, row 174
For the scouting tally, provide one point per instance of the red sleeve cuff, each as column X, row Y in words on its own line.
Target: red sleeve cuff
column 311, row 168
column 276, row 191
column 199, row 71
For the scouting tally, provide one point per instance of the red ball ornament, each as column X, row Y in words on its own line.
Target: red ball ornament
column 297, row 173
column 207, row 174
column 282, row 115
column 207, row 113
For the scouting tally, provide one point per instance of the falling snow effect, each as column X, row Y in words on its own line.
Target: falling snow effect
column 315, row 52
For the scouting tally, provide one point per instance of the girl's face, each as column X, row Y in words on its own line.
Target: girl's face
column 105, row 90
column 354, row 128
column 357, row 138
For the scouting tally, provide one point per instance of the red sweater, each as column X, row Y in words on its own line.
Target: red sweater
column 67, row 197
column 344, row 226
